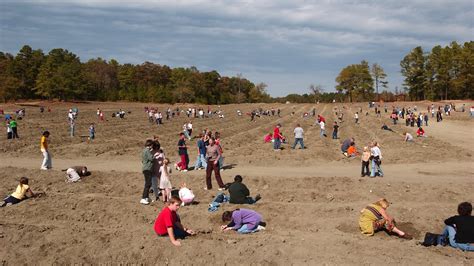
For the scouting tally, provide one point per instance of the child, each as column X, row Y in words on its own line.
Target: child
column 186, row 195
column 420, row 132
column 165, row 184
column 91, row 132
column 268, row 138
column 244, row 221
column 459, row 229
column 374, row 218
column 356, row 117
column 169, row 224
column 351, row 151
column 365, row 162
column 19, row 193
column 335, row 129
column 408, row 137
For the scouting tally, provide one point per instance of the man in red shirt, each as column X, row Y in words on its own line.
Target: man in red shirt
column 277, row 138
column 168, row 223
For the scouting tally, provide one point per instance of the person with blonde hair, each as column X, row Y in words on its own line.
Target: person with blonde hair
column 374, row 218
column 365, row 162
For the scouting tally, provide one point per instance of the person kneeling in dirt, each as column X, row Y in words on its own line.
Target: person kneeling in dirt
column 239, row 193
column 374, row 218
column 168, row 223
column 20, row 194
column 74, row 174
column 244, row 221
column 459, row 229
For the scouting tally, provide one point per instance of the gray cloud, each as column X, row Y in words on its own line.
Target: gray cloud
column 286, row 44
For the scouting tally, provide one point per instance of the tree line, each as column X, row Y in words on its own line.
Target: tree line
column 445, row 73
column 61, row 75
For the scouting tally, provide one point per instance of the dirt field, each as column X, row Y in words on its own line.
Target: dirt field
column 311, row 198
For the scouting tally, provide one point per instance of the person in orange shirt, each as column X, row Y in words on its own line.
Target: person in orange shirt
column 47, row 163
column 352, row 152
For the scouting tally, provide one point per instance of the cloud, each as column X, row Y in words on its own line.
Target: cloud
column 286, row 44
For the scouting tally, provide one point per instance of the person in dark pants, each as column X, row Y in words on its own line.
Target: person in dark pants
column 13, row 126
column 240, row 194
column 212, row 155
column 147, row 161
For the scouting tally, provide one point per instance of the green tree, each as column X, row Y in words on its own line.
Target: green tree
column 356, row 82
column 413, row 68
column 60, row 76
column 379, row 76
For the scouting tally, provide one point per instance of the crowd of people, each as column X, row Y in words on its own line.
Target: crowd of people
column 158, row 169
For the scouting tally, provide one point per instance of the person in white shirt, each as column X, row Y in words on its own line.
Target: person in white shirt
column 323, row 129
column 186, row 195
column 299, row 132
column 356, row 117
column 376, row 156
column 408, row 137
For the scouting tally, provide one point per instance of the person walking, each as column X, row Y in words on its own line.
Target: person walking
column 299, row 132
column 183, row 154
column 212, row 155
column 47, row 163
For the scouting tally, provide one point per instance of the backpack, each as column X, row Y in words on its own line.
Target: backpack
column 430, row 239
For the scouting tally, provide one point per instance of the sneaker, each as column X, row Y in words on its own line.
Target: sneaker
column 260, row 228
column 44, row 168
column 144, row 201
column 221, row 189
column 185, row 170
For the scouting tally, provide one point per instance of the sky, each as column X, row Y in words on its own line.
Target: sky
column 287, row 45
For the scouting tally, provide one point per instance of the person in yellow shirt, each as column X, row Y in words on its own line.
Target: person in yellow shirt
column 20, row 193
column 47, row 163
column 374, row 218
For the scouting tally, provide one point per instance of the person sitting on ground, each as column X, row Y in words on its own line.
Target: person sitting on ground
column 239, row 193
column 352, row 151
column 420, row 132
column 346, row 144
column 244, row 221
column 268, row 138
column 459, row 229
column 169, row 224
column 374, row 218
column 186, row 195
column 408, row 137
column 385, row 127
column 74, row 174
column 20, row 193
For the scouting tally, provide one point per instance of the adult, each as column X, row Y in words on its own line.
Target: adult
column 47, row 163
column 147, row 167
column 299, row 133
column 346, row 144
column 376, row 155
column 240, row 194
column 183, row 154
column 212, row 156
column 201, row 157
column 277, row 137
column 459, row 229
column 169, row 224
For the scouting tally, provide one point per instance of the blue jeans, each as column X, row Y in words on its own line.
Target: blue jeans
column 276, row 144
column 200, row 161
column 334, row 135
column 245, row 230
column 450, row 233
column 376, row 169
column 300, row 141
column 322, row 133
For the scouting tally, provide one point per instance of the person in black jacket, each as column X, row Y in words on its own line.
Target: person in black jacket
column 239, row 193
column 459, row 230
